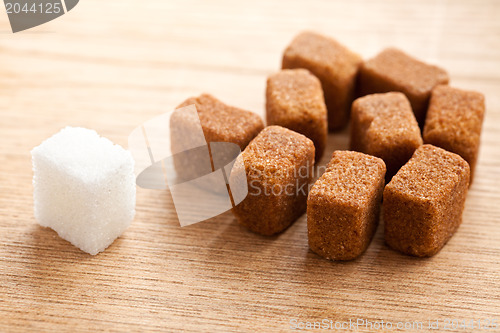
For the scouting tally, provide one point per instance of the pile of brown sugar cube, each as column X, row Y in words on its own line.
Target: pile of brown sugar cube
column 414, row 144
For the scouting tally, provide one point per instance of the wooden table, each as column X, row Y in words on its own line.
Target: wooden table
column 111, row 65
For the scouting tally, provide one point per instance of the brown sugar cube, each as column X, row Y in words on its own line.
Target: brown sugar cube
column 224, row 123
column 424, row 201
column 294, row 99
column 454, row 122
column 383, row 125
column 279, row 166
column 344, row 204
column 219, row 123
column 334, row 65
column 394, row 70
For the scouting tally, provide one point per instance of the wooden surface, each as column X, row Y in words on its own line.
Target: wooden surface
column 111, row 65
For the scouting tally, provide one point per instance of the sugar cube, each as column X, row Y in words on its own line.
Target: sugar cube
column 344, row 204
column 424, row 201
column 294, row 99
column 279, row 167
column 383, row 125
column 454, row 122
column 84, row 188
column 394, row 70
column 219, row 122
column 333, row 64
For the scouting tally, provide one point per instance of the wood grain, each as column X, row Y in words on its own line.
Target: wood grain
column 111, row 65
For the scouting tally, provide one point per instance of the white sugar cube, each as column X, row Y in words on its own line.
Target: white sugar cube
column 84, row 188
